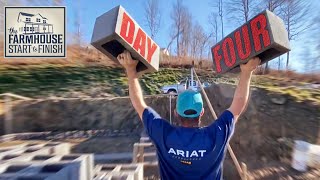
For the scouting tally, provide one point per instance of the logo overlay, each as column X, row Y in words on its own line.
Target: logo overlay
column 35, row 32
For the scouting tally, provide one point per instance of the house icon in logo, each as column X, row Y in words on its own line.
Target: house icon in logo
column 34, row 24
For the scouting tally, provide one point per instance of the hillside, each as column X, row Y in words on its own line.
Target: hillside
column 54, row 80
column 78, row 81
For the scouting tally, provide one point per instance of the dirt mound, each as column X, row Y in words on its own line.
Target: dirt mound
column 265, row 132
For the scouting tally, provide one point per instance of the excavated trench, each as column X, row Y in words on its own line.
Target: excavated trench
column 263, row 138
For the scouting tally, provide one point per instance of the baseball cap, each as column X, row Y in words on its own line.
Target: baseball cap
column 189, row 100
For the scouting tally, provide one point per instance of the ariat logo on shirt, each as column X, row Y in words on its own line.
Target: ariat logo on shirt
column 186, row 162
column 186, row 157
column 187, row 154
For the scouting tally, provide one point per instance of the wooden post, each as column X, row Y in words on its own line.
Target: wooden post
column 8, row 120
column 138, row 151
column 244, row 171
column 170, row 97
column 7, row 115
column 135, row 153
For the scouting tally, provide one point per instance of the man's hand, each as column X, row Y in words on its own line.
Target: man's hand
column 127, row 62
column 135, row 92
column 251, row 65
column 241, row 95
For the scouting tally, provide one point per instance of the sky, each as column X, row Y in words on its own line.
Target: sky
column 200, row 12
column 200, row 9
column 89, row 10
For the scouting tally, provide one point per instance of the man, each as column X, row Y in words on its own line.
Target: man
column 188, row 151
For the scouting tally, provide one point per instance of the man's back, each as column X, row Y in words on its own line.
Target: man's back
column 203, row 149
column 189, row 153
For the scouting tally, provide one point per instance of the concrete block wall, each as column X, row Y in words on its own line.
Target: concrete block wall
column 47, row 171
column 122, row 171
column 101, row 170
column 48, row 161
column 26, row 152
column 53, row 161
column 32, row 163
column 117, row 177
column 86, row 162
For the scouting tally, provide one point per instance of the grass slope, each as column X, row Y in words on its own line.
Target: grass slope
column 59, row 80
column 41, row 81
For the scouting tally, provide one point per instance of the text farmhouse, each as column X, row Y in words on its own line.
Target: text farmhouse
column 46, row 43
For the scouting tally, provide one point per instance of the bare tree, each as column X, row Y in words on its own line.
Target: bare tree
column 173, row 37
column 76, row 10
column 316, row 62
column 273, row 6
column 57, row 2
column 240, row 10
column 218, row 10
column 36, row 2
column 220, row 7
column 279, row 62
column 176, row 16
column 195, row 41
column 14, row 2
column 213, row 21
column 2, row 4
column 179, row 16
column 199, row 41
column 153, row 16
column 205, row 44
column 198, row 37
column 307, row 60
column 186, row 34
column 295, row 14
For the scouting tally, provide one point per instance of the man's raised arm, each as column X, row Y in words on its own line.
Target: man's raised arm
column 135, row 91
column 241, row 94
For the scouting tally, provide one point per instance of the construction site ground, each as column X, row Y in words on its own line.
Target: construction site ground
column 123, row 146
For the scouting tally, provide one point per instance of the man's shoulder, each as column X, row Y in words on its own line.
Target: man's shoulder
column 227, row 113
